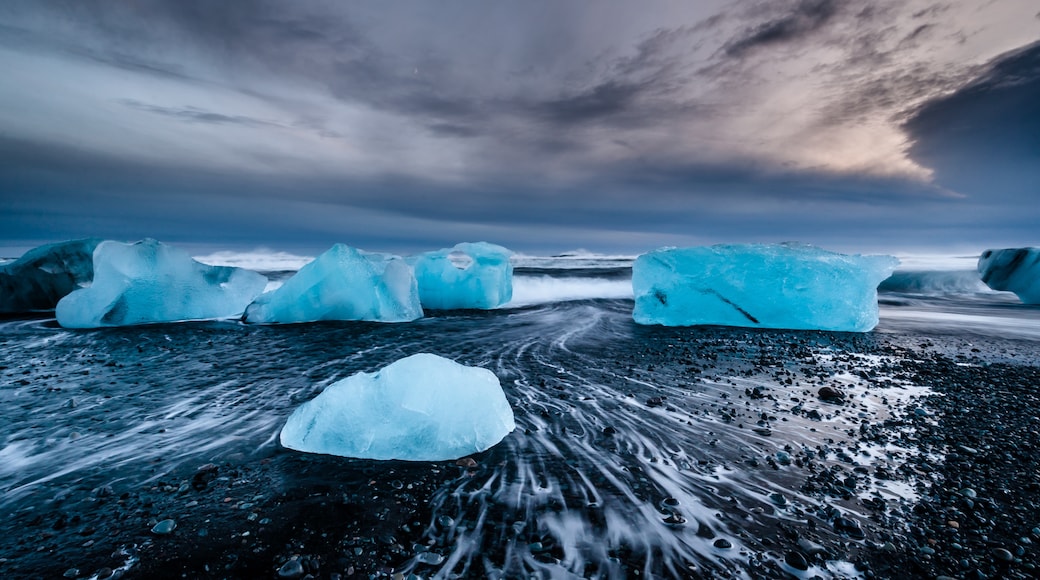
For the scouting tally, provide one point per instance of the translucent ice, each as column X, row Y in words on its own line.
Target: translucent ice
column 44, row 275
column 420, row 408
column 769, row 286
column 149, row 282
column 343, row 284
column 470, row 275
column 1013, row 270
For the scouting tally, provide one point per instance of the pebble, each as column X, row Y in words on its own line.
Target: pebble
column 796, row 560
column 723, row 544
column 164, row 527
column 848, row 526
column 1003, row 555
column 291, row 569
column 466, row 462
column 675, row 520
column 431, row 558
column 445, row 521
column 831, row 395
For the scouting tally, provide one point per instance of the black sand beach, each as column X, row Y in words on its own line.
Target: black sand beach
column 731, row 453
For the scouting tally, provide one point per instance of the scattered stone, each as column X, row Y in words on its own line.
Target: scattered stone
column 796, row 560
column 723, row 544
column 1003, row 555
column 848, row 526
column 431, row 558
column 831, row 395
column 164, row 527
column 466, row 462
column 203, row 476
column 291, row 569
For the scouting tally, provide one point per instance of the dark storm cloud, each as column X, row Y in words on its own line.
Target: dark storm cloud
column 302, row 117
column 803, row 19
column 984, row 139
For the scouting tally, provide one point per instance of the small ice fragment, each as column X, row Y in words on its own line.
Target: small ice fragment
column 420, row 408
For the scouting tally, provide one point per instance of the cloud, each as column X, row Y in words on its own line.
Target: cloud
column 801, row 21
column 197, row 115
column 984, row 138
column 760, row 117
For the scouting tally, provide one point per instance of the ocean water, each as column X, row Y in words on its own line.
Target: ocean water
column 639, row 450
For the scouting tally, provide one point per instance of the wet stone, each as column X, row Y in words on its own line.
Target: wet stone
column 164, row 527
column 431, row 558
column 291, row 569
column 796, row 560
column 723, row 544
column 848, row 526
column 203, row 476
column 831, row 395
column 1003, row 555
column 675, row 520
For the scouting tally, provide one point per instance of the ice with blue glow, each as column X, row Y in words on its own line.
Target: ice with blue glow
column 792, row 286
column 148, row 281
column 420, row 408
column 343, row 284
column 1013, row 270
column 45, row 275
column 469, row 275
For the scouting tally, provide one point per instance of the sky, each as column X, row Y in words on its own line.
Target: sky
column 540, row 125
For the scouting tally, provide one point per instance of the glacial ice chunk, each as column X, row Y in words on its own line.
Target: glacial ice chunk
column 1013, row 270
column 343, row 284
column 420, row 408
column 44, row 275
column 469, row 275
column 792, row 286
column 149, row 281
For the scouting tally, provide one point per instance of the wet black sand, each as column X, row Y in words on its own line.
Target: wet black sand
column 968, row 449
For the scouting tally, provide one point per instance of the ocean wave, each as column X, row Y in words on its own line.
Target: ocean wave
column 529, row 290
column 934, row 283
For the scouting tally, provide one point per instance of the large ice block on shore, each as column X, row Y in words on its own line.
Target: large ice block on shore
column 469, row 275
column 1013, row 270
column 420, row 408
column 45, row 275
column 149, row 281
column 791, row 286
column 343, row 284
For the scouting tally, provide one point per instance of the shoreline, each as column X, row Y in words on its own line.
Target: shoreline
column 254, row 514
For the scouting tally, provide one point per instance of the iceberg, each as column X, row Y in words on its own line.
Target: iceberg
column 1013, row 270
column 469, row 275
column 148, row 281
column 343, row 284
column 420, row 408
column 45, row 275
column 793, row 286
